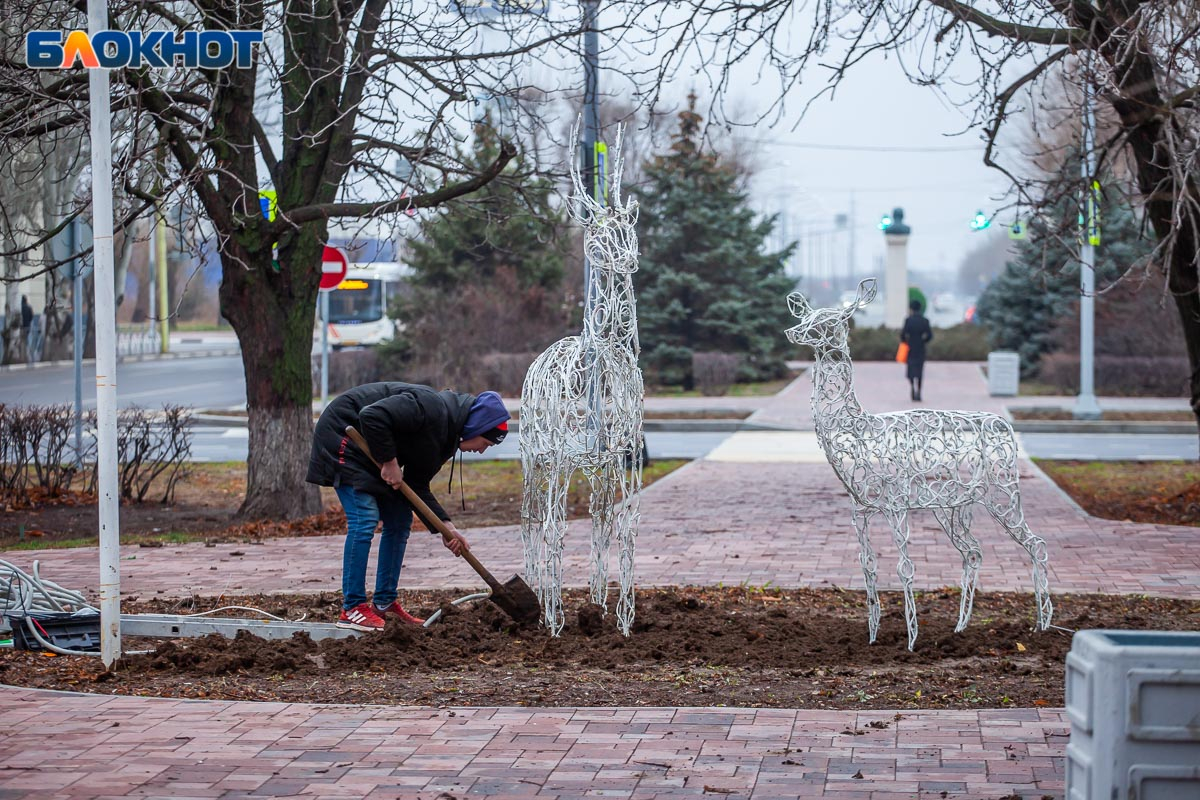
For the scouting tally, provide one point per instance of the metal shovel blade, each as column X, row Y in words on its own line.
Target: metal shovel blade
column 516, row 599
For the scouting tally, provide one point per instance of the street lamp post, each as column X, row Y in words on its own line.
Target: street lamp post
column 1086, row 406
column 104, row 308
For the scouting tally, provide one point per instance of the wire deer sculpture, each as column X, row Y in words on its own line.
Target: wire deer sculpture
column 944, row 461
column 581, row 409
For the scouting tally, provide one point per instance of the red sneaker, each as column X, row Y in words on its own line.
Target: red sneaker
column 360, row 618
column 394, row 608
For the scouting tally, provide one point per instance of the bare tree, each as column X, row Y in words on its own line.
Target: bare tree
column 350, row 111
column 997, row 61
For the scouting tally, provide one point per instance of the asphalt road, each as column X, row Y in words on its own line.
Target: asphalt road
column 1111, row 446
column 200, row 382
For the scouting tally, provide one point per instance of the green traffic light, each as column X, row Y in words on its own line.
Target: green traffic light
column 980, row 222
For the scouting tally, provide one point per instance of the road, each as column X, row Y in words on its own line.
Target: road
column 200, row 382
column 1111, row 446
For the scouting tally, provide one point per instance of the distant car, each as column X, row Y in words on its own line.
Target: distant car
column 944, row 301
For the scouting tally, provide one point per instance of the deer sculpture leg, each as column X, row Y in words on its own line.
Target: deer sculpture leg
column 627, row 524
column 870, row 565
column 534, row 510
column 905, row 570
column 1004, row 504
column 956, row 522
column 544, row 530
column 604, row 483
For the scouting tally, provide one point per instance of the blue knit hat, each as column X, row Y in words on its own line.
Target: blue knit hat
column 488, row 418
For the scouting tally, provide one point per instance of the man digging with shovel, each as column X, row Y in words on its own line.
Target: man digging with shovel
column 412, row 431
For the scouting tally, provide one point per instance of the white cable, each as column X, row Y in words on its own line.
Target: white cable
column 435, row 616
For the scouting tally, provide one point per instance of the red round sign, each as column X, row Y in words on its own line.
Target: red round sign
column 333, row 268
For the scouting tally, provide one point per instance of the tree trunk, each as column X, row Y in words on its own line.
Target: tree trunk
column 274, row 323
column 1163, row 192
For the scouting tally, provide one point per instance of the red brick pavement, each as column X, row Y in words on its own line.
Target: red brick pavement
column 79, row 746
column 710, row 523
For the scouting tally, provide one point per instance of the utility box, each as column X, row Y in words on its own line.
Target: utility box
column 1133, row 698
column 1004, row 373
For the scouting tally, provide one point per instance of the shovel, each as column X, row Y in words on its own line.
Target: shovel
column 513, row 597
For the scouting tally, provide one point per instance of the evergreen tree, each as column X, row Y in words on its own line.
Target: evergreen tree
column 509, row 223
column 705, row 282
column 488, row 278
column 1037, row 294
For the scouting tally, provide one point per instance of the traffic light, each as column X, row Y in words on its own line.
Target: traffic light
column 885, row 222
column 980, row 222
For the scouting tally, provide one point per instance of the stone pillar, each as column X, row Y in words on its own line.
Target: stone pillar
column 895, row 287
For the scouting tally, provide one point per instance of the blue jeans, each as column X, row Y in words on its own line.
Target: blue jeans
column 363, row 513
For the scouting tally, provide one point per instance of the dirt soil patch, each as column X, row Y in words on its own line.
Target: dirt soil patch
column 1159, row 492
column 690, row 647
column 1062, row 414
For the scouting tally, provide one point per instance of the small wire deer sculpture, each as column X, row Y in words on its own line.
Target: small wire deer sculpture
column 891, row 464
column 581, row 409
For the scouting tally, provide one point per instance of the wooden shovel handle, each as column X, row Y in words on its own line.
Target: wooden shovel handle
column 426, row 512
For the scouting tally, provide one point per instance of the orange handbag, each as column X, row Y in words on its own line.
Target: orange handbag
column 902, row 353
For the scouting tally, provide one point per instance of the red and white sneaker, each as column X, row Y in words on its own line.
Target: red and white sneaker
column 361, row 618
column 394, row 608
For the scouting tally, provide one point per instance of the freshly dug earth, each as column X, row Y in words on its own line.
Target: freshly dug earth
column 690, row 647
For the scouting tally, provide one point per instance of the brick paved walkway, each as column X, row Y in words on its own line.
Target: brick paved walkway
column 777, row 515
column 79, row 746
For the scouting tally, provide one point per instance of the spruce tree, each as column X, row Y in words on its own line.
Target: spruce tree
column 706, row 281
column 1037, row 294
column 488, row 279
column 509, row 223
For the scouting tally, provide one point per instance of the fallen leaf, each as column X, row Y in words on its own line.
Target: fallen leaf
column 1020, row 647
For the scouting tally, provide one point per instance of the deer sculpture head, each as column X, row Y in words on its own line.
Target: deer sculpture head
column 610, row 228
column 825, row 329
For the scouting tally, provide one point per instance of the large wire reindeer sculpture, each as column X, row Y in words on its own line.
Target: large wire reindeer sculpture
column 945, row 461
column 581, row 409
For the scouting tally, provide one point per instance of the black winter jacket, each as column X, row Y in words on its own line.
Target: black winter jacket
column 418, row 426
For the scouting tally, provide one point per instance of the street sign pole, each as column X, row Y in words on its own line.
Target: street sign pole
column 324, row 348
column 333, row 269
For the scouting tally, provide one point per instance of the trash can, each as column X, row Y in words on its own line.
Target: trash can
column 1004, row 373
column 1133, row 699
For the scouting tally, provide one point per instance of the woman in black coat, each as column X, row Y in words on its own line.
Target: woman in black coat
column 916, row 333
column 412, row 431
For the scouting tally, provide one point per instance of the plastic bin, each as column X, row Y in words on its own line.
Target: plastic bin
column 1004, row 373
column 1133, row 698
column 69, row 631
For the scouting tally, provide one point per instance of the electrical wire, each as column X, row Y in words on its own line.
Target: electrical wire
column 31, row 594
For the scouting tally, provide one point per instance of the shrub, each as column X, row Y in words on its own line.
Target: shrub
column 37, row 451
column 1145, row 376
column 963, row 342
column 959, row 343
column 347, row 369
column 715, row 372
column 504, row 372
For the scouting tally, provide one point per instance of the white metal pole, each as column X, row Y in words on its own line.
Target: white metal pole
column 77, row 329
column 106, row 350
column 1086, row 406
column 324, row 347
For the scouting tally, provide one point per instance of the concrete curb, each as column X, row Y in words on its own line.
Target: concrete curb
column 227, row 351
column 1100, row 426
column 660, row 425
